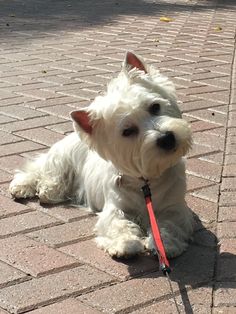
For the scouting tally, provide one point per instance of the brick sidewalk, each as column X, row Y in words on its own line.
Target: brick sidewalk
column 57, row 55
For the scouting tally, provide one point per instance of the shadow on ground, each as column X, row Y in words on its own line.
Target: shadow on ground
column 44, row 16
column 201, row 265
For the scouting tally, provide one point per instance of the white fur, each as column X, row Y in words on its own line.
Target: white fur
column 104, row 168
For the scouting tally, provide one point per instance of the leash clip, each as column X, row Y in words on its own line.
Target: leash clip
column 146, row 190
column 165, row 269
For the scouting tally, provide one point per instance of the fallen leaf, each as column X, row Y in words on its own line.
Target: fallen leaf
column 218, row 28
column 166, row 19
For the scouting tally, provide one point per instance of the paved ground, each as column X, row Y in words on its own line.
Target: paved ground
column 57, row 55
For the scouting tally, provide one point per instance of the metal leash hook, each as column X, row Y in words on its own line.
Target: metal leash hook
column 163, row 261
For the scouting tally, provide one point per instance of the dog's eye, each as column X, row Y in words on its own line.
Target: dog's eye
column 133, row 130
column 154, row 109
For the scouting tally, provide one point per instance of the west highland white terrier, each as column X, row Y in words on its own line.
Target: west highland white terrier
column 131, row 134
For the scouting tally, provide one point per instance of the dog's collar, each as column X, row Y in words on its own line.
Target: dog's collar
column 120, row 179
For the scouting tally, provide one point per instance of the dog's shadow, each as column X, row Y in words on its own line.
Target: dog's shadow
column 201, row 266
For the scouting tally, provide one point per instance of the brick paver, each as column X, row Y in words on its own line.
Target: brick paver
column 59, row 55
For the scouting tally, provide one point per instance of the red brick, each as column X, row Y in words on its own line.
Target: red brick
column 228, row 198
column 194, row 183
column 41, row 291
column 30, row 85
column 209, row 193
column 20, row 112
column 226, row 229
column 216, row 158
column 87, row 252
column 208, row 116
column 66, row 212
column 10, row 275
column 71, row 306
column 232, row 131
column 232, row 118
column 204, row 169
column 66, row 233
column 207, row 211
column 41, row 135
column 32, row 257
column 210, row 140
column 63, row 128
column 14, row 101
column 31, row 123
column 199, row 126
column 6, row 138
column 11, row 163
column 224, row 310
column 58, row 100
column 229, row 170
column 199, row 150
column 10, row 208
column 37, row 93
column 200, row 90
column 195, row 301
column 225, row 294
column 25, row 223
column 5, row 119
column 62, row 111
column 4, row 176
column 227, row 213
column 19, row 147
column 128, row 294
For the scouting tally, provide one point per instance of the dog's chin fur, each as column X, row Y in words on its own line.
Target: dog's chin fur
column 102, row 165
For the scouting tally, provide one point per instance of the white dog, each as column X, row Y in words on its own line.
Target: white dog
column 132, row 133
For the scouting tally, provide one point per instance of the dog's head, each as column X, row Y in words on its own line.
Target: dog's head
column 137, row 124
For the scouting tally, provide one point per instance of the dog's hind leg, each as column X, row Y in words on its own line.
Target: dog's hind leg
column 50, row 176
column 25, row 181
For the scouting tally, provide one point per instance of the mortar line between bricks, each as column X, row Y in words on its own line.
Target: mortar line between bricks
column 199, row 188
column 25, row 231
column 201, row 99
column 64, row 297
column 166, row 297
column 32, row 127
column 25, row 211
column 18, row 119
column 205, row 154
column 15, row 281
column 82, row 239
column 21, row 140
column 58, row 269
column 232, row 78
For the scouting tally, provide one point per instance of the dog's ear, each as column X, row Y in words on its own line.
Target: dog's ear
column 81, row 117
column 132, row 61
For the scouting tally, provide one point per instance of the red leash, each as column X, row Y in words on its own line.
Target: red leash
column 164, row 263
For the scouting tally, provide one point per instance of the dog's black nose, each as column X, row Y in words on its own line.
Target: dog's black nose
column 167, row 141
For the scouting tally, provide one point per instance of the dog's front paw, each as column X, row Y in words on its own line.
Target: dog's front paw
column 21, row 190
column 121, row 247
column 173, row 246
